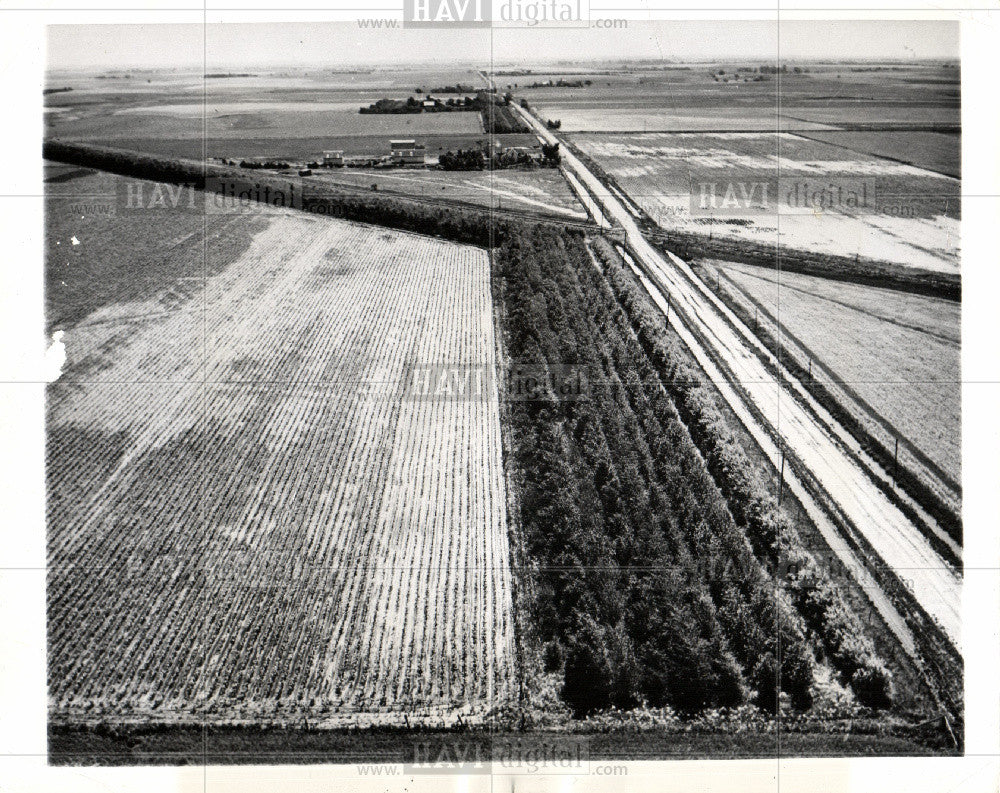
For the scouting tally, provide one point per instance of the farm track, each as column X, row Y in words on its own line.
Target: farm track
column 249, row 517
column 770, row 412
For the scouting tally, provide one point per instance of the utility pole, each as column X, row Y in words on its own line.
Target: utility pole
column 781, row 479
column 895, row 462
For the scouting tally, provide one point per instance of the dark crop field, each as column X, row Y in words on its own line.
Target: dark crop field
column 689, row 98
column 935, row 151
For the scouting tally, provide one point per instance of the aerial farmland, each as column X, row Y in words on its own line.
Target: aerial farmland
column 264, row 374
column 485, row 427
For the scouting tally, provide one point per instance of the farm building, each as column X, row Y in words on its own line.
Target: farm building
column 406, row 151
column 335, row 157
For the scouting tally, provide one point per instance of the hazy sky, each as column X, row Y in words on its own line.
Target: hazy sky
column 268, row 45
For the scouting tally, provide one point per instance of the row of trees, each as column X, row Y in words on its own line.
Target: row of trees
column 457, row 88
column 472, row 225
column 501, row 120
column 560, row 83
column 498, row 118
column 646, row 590
column 478, row 160
column 481, row 100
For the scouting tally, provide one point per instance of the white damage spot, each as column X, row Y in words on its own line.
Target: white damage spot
column 55, row 358
column 75, row 241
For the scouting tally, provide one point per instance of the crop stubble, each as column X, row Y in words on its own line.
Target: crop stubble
column 249, row 518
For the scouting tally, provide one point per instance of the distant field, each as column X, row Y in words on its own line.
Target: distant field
column 896, row 114
column 166, row 109
column 677, row 98
column 278, row 526
column 935, row 151
column 254, row 123
column 627, row 118
column 899, row 352
column 542, row 189
column 911, row 218
column 280, row 82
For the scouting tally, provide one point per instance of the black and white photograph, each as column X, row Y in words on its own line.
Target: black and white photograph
column 511, row 393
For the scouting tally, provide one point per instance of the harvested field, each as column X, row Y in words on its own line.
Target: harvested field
column 899, row 352
column 911, row 216
column 533, row 190
column 254, row 519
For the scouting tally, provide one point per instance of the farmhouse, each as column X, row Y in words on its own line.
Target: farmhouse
column 334, row 157
column 406, row 151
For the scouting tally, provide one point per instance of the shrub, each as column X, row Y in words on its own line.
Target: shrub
column 872, row 686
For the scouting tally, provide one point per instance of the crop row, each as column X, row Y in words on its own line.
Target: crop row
column 257, row 520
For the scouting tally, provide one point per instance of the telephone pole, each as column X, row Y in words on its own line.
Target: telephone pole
column 781, row 477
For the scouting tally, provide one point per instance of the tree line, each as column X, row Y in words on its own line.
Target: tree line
column 647, row 591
